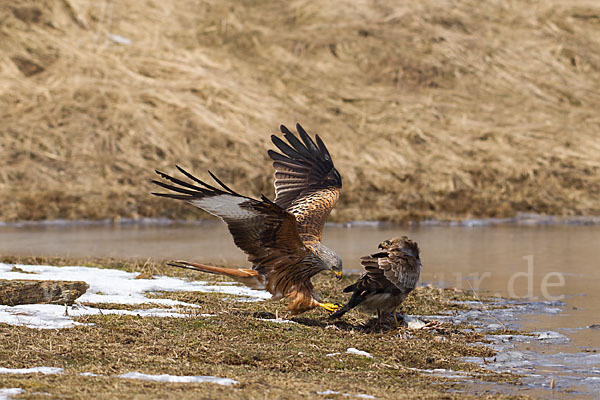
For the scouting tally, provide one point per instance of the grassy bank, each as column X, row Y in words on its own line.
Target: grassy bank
column 269, row 360
column 431, row 109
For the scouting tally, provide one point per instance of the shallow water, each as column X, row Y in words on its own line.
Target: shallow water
column 546, row 263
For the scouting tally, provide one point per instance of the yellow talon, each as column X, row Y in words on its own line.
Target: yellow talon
column 330, row 306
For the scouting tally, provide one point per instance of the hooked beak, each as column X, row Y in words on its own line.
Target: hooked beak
column 338, row 274
column 380, row 246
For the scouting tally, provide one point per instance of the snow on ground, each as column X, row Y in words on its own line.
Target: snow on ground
column 34, row 370
column 352, row 350
column 446, row 373
column 412, row 322
column 106, row 286
column 7, row 393
column 52, row 316
column 360, row 396
column 278, row 320
column 116, row 286
column 179, row 379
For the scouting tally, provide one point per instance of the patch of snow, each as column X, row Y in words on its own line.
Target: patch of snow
column 360, row 396
column 7, row 393
column 412, row 322
column 106, row 286
column 116, row 286
column 179, row 379
column 52, row 316
column 33, row 370
column 278, row 320
column 551, row 335
column 444, row 373
column 332, row 354
column 89, row 374
column 357, row 352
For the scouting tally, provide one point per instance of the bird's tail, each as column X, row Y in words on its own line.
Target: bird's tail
column 248, row 277
column 339, row 313
column 354, row 301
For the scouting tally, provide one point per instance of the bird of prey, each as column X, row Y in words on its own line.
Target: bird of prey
column 390, row 275
column 282, row 238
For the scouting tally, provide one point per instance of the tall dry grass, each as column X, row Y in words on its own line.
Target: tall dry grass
column 430, row 108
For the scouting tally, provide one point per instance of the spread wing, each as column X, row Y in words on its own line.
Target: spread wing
column 261, row 228
column 373, row 280
column 306, row 182
column 393, row 267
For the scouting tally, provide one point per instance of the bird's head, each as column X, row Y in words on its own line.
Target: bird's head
column 330, row 259
column 336, row 267
column 386, row 244
column 401, row 243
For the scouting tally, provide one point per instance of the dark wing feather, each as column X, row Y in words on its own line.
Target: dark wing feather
column 401, row 269
column 306, row 182
column 374, row 279
column 262, row 229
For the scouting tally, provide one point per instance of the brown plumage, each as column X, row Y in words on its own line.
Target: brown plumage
column 390, row 275
column 282, row 237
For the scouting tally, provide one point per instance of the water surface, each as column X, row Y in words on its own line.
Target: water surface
column 554, row 262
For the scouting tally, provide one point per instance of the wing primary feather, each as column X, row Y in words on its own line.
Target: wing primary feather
column 322, row 148
column 178, row 181
column 224, row 185
column 175, row 188
column 299, row 146
column 308, row 142
column 173, row 196
column 284, row 129
column 275, row 156
column 286, row 148
column 192, row 177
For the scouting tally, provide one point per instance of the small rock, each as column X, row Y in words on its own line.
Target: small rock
column 15, row 292
column 26, row 66
column 263, row 315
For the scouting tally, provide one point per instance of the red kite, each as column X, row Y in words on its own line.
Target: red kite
column 282, row 237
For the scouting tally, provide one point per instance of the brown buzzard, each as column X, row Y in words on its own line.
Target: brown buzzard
column 282, row 237
column 390, row 276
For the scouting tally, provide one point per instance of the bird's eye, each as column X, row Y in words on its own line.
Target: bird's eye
column 385, row 243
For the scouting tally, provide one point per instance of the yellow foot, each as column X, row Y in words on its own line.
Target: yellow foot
column 329, row 306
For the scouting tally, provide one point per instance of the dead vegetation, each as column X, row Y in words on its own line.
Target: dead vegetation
column 431, row 109
column 269, row 360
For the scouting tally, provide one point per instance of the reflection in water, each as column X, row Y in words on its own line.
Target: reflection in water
column 546, row 262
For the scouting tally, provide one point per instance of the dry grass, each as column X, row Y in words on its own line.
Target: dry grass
column 445, row 109
column 269, row 360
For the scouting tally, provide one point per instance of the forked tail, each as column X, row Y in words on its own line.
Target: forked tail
column 248, row 277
